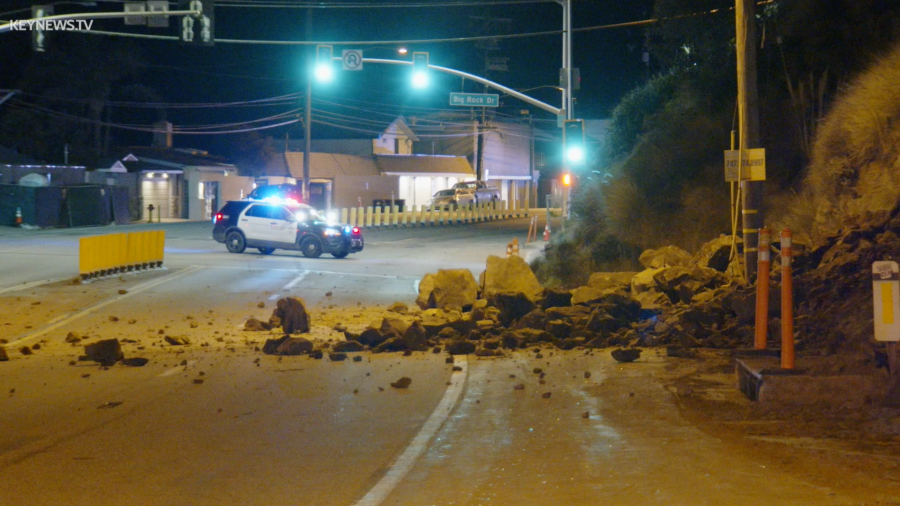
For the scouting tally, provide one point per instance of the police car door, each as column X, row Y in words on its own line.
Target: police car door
column 257, row 222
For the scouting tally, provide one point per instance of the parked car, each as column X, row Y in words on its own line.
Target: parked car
column 242, row 224
column 479, row 190
column 451, row 199
column 278, row 193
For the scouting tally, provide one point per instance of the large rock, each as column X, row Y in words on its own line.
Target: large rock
column 644, row 281
column 393, row 327
column 461, row 347
column 682, row 283
column 348, row 346
column 619, row 306
column 287, row 346
column 667, row 256
column 106, row 352
column 586, row 294
column 512, row 305
column 510, row 275
column 291, row 311
column 611, row 280
column 294, row 346
column 415, row 338
column 426, row 285
column 715, row 254
column 556, row 297
column 372, row 337
column 453, row 288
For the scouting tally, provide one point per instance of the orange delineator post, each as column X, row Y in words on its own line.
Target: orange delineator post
column 787, row 303
column 762, row 291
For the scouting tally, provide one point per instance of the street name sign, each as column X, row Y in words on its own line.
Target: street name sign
column 475, row 99
column 754, row 165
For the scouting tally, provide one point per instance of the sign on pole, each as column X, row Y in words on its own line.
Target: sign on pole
column 475, row 99
column 754, row 165
column 352, row 59
column 886, row 300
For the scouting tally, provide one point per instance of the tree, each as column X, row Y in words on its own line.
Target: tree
column 253, row 152
column 66, row 98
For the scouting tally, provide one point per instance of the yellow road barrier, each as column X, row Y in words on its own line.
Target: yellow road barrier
column 106, row 255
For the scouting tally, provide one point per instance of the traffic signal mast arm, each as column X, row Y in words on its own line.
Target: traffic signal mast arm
column 525, row 98
column 6, row 27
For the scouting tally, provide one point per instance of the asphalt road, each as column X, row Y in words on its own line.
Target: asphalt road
column 219, row 423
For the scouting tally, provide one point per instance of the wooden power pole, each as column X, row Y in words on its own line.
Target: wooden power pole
column 748, row 129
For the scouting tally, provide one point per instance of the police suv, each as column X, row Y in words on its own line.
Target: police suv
column 268, row 226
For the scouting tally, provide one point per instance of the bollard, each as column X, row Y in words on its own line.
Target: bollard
column 377, row 216
column 150, row 213
column 787, row 303
column 369, row 217
column 344, row 215
column 431, row 219
column 515, row 247
column 762, row 291
column 508, row 249
column 352, row 217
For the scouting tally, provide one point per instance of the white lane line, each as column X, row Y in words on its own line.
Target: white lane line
column 134, row 291
column 25, row 286
column 177, row 369
column 385, row 276
column 404, row 463
column 288, row 287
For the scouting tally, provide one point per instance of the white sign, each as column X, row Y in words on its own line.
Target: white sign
column 352, row 59
column 886, row 300
column 754, row 168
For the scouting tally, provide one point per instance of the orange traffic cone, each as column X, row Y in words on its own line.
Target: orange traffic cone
column 18, row 216
column 547, row 232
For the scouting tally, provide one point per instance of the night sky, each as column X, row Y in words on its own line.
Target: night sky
column 610, row 60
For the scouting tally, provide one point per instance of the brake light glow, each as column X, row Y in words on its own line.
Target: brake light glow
column 218, row 217
column 355, row 230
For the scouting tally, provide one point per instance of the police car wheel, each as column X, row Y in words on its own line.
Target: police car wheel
column 235, row 242
column 311, row 247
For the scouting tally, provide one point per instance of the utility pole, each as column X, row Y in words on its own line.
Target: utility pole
column 748, row 130
column 307, row 108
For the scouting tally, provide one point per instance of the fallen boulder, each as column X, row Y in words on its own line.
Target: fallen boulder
column 426, row 286
column 626, row 354
column 510, row 275
column 512, row 305
column 453, row 288
column 348, row 346
column 107, row 352
column 667, row 256
column 461, row 347
column 294, row 346
column 292, row 313
column 255, row 325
